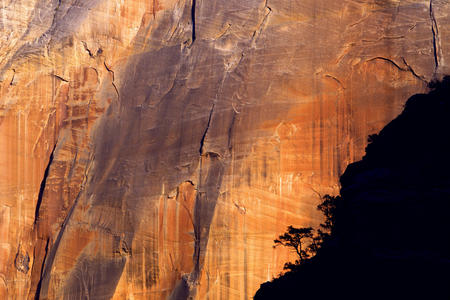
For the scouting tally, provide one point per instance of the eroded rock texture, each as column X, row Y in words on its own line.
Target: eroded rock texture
column 154, row 149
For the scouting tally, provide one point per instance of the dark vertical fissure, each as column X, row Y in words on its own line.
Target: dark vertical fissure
column 38, row 288
column 435, row 32
column 43, row 184
column 193, row 19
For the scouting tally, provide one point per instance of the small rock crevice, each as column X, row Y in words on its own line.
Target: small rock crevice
column 202, row 141
column 13, row 77
column 87, row 49
column 112, row 80
column 60, row 78
column 436, row 41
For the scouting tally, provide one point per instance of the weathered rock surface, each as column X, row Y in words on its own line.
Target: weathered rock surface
column 154, row 149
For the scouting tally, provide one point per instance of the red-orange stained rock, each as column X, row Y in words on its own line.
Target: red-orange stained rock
column 178, row 158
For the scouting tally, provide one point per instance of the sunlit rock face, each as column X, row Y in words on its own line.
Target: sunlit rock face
column 154, row 149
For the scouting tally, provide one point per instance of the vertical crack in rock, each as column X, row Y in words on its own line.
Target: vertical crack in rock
column 436, row 40
column 38, row 288
column 112, row 80
column 43, row 184
column 193, row 7
column 210, row 180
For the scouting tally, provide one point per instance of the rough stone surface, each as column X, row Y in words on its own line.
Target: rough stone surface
column 154, row 149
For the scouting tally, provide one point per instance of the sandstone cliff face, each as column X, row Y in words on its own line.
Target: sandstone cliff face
column 154, row 149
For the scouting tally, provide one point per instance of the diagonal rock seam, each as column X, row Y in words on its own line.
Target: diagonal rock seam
column 407, row 69
column 60, row 78
column 43, row 184
column 202, row 141
column 336, row 80
column 410, row 69
column 261, row 25
column 50, row 253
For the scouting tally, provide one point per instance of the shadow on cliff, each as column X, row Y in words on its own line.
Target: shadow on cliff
column 391, row 238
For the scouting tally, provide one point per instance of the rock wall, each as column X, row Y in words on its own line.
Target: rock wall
column 154, row 149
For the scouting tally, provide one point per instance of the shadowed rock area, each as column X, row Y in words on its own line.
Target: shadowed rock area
column 390, row 239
